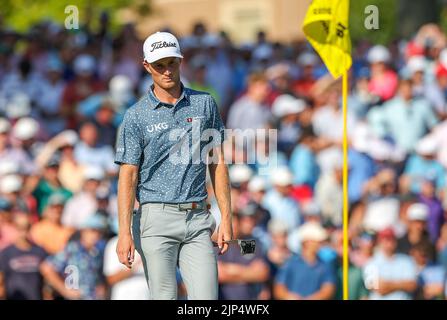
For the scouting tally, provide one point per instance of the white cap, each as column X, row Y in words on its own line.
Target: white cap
column 9, row 167
column 286, row 104
column 161, row 45
column 4, row 125
column 120, row 84
column 307, row 59
column 379, row 53
column 427, row 146
column 277, row 226
column 312, row 231
column 84, row 63
column 417, row 212
column 281, row 177
column 25, row 128
column 94, row 173
column 10, row 183
column 416, row 64
column 18, row 106
column 240, row 173
column 256, row 184
column 311, row 208
column 70, row 137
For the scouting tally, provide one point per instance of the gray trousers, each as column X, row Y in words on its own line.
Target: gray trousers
column 167, row 237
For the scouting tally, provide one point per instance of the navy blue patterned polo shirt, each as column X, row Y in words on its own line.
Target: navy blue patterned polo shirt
column 169, row 143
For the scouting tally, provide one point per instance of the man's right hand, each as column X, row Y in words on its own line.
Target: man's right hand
column 125, row 249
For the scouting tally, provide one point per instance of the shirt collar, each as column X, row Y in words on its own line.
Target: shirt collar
column 154, row 103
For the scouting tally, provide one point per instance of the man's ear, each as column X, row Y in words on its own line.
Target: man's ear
column 146, row 66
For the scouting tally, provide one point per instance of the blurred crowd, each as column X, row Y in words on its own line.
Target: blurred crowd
column 63, row 94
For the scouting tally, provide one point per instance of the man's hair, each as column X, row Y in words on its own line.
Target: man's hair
column 256, row 77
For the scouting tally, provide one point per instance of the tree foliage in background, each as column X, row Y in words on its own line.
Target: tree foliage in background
column 21, row 14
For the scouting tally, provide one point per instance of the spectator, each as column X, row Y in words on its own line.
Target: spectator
column 49, row 184
column 81, row 87
column 431, row 276
column 49, row 233
column 304, row 276
column 390, row 275
column 383, row 82
column 82, row 263
column 423, row 165
column 20, row 278
column 243, row 277
column 250, row 111
column 87, row 151
column 126, row 284
column 278, row 201
column 417, row 215
column 436, row 217
column 403, row 119
column 83, row 205
column 8, row 231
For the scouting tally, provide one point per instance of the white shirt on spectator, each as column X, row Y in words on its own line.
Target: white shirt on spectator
column 133, row 288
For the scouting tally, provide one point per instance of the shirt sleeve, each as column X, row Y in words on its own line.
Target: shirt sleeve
column 59, row 260
column 328, row 275
column 129, row 141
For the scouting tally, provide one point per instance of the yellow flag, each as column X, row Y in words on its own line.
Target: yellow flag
column 326, row 27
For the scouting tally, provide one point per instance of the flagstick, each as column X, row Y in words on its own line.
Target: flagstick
column 345, row 189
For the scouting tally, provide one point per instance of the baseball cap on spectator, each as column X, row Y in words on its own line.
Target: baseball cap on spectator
column 416, row 64
column 94, row 173
column 96, row 222
column 5, row 205
column 120, row 87
column 379, row 53
column 9, row 167
column 249, row 210
column 84, row 64
column 240, row 173
column 417, row 212
column 102, row 194
column 54, row 160
column 70, row 137
column 54, row 64
column 25, row 128
column 18, row 106
column 56, row 199
column 281, row 176
column 427, row 146
column 4, row 125
column 161, row 45
column 276, row 226
column 312, row 231
column 311, row 208
column 387, row 233
column 257, row 184
column 307, row 59
column 277, row 71
column 10, row 184
column 286, row 104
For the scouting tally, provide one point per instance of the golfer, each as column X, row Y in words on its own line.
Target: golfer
column 157, row 153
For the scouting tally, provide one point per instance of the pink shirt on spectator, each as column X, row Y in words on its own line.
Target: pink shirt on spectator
column 385, row 86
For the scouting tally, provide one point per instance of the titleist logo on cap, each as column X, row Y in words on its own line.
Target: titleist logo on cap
column 162, row 44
